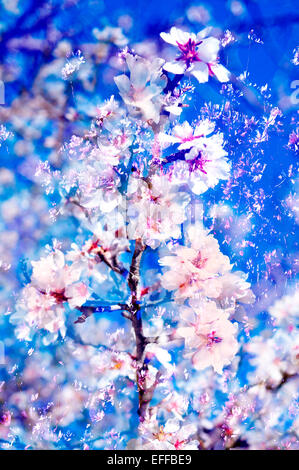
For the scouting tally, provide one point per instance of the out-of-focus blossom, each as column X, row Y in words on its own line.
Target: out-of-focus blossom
column 156, row 209
column 274, row 358
column 111, row 35
column 285, row 311
column 198, row 14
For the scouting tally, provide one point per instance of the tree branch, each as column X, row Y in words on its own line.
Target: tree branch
column 89, row 308
column 145, row 394
column 132, row 312
column 112, row 265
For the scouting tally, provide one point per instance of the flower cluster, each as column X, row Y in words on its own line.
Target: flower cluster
column 156, row 209
column 122, row 187
column 201, row 270
column 142, row 91
column 53, row 283
column 198, row 55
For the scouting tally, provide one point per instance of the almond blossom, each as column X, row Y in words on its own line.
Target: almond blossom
column 109, row 113
column 209, row 334
column 187, row 136
column 205, row 162
column 156, row 209
column 142, row 91
column 110, row 34
column 274, row 357
column 285, row 311
column 53, row 283
column 198, row 55
column 200, row 269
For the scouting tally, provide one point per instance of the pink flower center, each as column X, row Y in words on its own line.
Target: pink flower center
column 5, row 419
column 191, row 137
column 213, row 339
column 198, row 163
column 189, row 53
column 179, row 444
column 93, row 246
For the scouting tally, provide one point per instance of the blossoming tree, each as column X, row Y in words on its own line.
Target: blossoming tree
column 143, row 258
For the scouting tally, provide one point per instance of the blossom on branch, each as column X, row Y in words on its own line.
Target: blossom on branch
column 205, row 162
column 156, row 209
column 210, row 334
column 53, row 283
column 198, row 55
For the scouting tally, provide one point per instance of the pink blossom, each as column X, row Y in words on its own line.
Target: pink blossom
column 142, row 91
column 53, row 283
column 186, row 136
column 205, row 163
column 172, row 436
column 286, row 310
column 195, row 269
column 200, row 269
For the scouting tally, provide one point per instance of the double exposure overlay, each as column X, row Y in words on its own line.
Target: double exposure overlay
column 148, row 225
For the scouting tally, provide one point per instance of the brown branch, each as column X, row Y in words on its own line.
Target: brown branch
column 131, row 311
column 145, row 394
column 285, row 378
column 113, row 266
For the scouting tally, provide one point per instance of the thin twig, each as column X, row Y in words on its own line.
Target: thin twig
column 114, row 267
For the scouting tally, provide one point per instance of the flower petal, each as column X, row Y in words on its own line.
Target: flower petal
column 139, row 75
column 178, row 68
column 167, row 37
column 204, row 33
column 201, row 72
column 221, row 73
column 122, row 83
column 208, row 49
